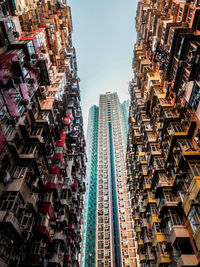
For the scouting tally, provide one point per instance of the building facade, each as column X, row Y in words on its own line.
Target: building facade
column 42, row 145
column 109, row 215
column 163, row 155
column 89, row 232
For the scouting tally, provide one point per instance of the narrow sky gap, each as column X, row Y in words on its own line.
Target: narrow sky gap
column 104, row 35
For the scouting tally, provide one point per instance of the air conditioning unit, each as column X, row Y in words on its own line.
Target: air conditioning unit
column 3, row 42
column 27, row 65
column 18, row 80
column 16, row 34
column 22, row 206
column 34, row 56
column 42, row 89
column 194, row 202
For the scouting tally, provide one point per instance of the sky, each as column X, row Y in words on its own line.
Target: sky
column 104, row 36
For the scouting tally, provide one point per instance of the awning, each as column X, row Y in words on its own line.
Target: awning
column 56, row 170
column 67, row 258
column 76, row 184
column 59, row 156
column 27, row 38
column 71, row 226
column 61, row 142
column 42, row 230
column 66, row 120
column 47, row 208
column 2, row 140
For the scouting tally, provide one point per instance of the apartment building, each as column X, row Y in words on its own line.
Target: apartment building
column 109, row 233
column 90, row 204
column 42, row 145
column 163, row 155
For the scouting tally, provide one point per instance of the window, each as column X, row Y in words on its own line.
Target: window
column 35, row 248
column 106, row 263
column 155, row 148
column 6, row 245
column 163, row 177
column 156, row 227
column 30, row 47
column 174, row 219
column 127, row 261
column 193, row 219
column 11, row 201
column 194, row 169
column 185, row 144
column 180, row 13
column 107, row 252
column 107, row 243
column 26, row 220
column 182, row 191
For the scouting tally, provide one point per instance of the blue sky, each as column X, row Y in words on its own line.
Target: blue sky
column 104, row 36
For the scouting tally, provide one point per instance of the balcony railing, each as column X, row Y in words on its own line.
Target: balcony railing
column 168, row 201
column 8, row 217
column 59, row 236
column 187, row 260
column 28, row 152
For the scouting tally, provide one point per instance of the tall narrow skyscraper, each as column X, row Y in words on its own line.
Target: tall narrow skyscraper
column 89, row 236
column 108, row 203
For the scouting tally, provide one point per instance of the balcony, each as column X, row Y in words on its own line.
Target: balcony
column 61, row 142
column 165, row 103
column 145, row 223
column 33, row 260
column 150, row 254
column 140, row 243
column 67, row 119
column 47, row 208
column 155, row 150
column 171, row 115
column 158, row 164
column 144, row 170
column 19, row 184
column 168, row 201
column 147, row 184
column 163, row 260
column 52, row 183
column 151, row 138
column 154, row 219
column 179, row 233
column 36, row 134
column 70, row 238
column 150, row 199
column 137, row 229
column 147, row 239
column 44, row 75
column 192, row 193
column 163, row 183
column 44, row 118
column 187, row 260
column 8, row 218
column 28, row 152
column 67, row 184
column 142, row 158
column 158, row 237
column 75, row 187
column 177, row 130
column 179, row 135
column 56, row 170
column 60, row 236
column 58, row 158
column 55, row 260
column 67, row 259
column 142, row 258
column 42, row 230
